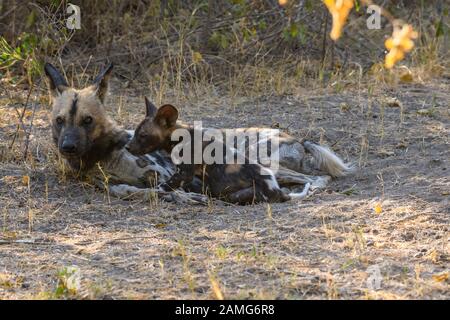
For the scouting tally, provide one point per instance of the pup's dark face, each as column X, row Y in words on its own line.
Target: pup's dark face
column 154, row 132
column 147, row 138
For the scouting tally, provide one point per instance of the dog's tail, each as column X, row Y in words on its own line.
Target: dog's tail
column 300, row 195
column 326, row 160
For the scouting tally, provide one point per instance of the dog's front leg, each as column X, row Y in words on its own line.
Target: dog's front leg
column 127, row 192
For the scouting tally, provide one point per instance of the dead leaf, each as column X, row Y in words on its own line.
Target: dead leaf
column 406, row 77
column 6, row 280
column 440, row 277
column 402, row 145
column 197, row 57
column 26, row 180
column 424, row 112
column 385, row 153
column 344, row 107
column 393, row 102
column 433, row 256
column 378, row 208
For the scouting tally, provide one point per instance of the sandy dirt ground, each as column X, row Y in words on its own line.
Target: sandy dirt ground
column 381, row 233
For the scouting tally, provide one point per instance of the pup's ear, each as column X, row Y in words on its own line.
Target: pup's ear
column 101, row 82
column 150, row 108
column 57, row 83
column 167, row 116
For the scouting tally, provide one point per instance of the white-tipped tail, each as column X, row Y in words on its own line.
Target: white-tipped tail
column 300, row 195
column 326, row 160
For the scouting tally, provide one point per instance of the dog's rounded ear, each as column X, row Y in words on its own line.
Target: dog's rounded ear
column 57, row 83
column 101, row 82
column 150, row 108
column 167, row 116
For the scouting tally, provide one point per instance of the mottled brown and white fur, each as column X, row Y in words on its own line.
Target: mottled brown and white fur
column 94, row 145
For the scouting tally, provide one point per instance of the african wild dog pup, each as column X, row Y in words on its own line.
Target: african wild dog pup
column 236, row 183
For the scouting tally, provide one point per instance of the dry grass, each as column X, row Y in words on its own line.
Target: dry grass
column 320, row 248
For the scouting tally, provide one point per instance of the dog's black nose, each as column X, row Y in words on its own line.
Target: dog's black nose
column 68, row 147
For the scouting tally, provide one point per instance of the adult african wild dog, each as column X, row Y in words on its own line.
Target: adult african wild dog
column 93, row 144
column 154, row 133
column 237, row 183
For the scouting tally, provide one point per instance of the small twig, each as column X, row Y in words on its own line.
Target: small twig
column 324, row 43
column 20, row 116
column 28, row 133
column 8, row 12
column 129, row 238
column 23, row 241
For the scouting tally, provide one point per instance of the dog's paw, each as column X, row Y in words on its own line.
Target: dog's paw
column 179, row 196
column 122, row 190
column 320, row 182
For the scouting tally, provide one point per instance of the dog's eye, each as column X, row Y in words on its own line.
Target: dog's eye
column 59, row 120
column 143, row 135
column 87, row 120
